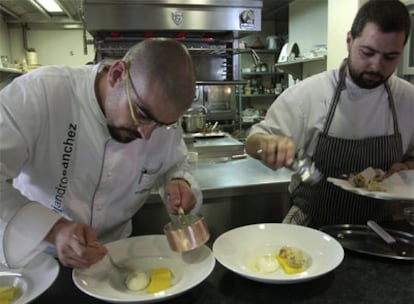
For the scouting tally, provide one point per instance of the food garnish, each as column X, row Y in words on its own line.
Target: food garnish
column 137, row 280
column 158, row 280
column 265, row 264
column 292, row 260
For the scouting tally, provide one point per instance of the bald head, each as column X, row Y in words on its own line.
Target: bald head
column 166, row 64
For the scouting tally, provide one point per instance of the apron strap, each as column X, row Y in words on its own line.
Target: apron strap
column 392, row 107
column 335, row 98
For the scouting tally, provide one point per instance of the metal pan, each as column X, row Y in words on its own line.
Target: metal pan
column 188, row 233
column 360, row 238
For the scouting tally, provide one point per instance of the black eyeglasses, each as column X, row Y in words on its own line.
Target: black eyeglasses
column 136, row 110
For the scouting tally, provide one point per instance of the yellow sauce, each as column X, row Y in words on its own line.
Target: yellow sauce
column 160, row 280
column 7, row 293
column 286, row 267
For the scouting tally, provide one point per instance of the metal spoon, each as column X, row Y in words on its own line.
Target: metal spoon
column 304, row 169
column 120, row 267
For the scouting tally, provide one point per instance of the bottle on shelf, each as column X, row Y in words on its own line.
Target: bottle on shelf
column 248, row 88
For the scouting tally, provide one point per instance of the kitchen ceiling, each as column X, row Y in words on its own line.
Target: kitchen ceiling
column 27, row 12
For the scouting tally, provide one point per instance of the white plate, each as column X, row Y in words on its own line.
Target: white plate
column 399, row 186
column 236, row 248
column 35, row 278
column 102, row 281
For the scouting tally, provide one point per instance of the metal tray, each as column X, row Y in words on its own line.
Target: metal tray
column 360, row 238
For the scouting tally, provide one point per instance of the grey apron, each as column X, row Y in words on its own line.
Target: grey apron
column 324, row 203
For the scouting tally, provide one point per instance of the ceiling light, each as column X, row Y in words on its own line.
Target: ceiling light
column 50, row 6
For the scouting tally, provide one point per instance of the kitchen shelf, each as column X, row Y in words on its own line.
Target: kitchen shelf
column 258, row 74
column 303, row 67
column 258, row 95
column 9, row 73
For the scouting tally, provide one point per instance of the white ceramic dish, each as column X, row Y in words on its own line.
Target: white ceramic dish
column 236, row 248
column 398, row 186
column 103, row 282
column 36, row 278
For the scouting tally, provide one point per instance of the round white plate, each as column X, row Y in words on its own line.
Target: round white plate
column 236, row 248
column 35, row 278
column 104, row 282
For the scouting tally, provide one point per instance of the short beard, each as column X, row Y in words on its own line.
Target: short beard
column 359, row 80
column 122, row 134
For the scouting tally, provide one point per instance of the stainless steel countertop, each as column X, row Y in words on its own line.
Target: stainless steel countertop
column 219, row 178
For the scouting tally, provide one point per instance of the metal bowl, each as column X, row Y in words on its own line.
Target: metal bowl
column 188, row 233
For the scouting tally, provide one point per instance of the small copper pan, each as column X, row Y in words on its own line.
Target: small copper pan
column 188, row 233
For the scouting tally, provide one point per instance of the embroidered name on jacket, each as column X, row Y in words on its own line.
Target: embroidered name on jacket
column 68, row 147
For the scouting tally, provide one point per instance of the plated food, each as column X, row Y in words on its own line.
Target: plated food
column 290, row 260
column 159, row 273
column 373, row 183
column 369, row 179
column 277, row 253
column 30, row 282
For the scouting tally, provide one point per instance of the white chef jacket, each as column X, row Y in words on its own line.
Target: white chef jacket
column 55, row 145
column 300, row 112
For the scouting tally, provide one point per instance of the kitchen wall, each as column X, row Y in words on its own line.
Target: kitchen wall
column 4, row 38
column 52, row 46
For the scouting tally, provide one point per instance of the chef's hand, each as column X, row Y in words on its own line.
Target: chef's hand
column 407, row 165
column 180, row 195
column 76, row 244
column 276, row 151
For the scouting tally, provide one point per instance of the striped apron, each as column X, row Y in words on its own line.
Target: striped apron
column 324, row 203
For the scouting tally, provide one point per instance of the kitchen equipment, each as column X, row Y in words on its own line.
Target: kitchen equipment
column 362, row 239
column 194, row 120
column 305, row 171
column 271, row 42
column 409, row 215
column 186, row 233
column 396, row 246
column 289, row 52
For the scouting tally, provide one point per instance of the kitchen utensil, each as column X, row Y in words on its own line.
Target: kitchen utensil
column 409, row 215
column 271, row 42
column 305, row 171
column 362, row 239
column 119, row 267
column 188, row 232
column 396, row 246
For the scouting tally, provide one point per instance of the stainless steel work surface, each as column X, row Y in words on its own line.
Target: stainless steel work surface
column 218, row 178
column 209, row 148
column 216, row 174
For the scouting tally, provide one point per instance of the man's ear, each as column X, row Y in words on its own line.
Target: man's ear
column 349, row 40
column 117, row 73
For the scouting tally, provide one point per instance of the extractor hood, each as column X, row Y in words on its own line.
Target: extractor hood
column 172, row 15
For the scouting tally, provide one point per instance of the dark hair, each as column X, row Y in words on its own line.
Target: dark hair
column 389, row 15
